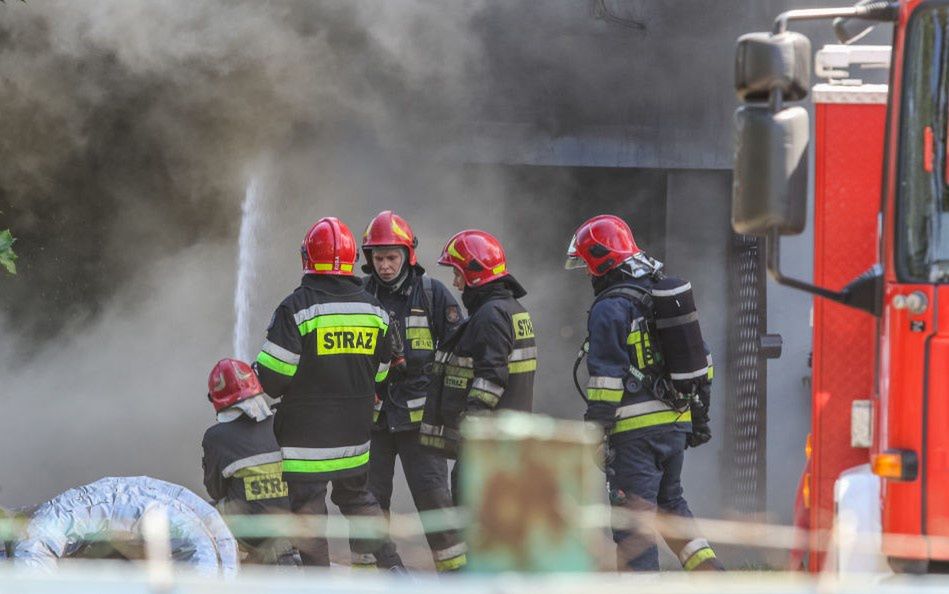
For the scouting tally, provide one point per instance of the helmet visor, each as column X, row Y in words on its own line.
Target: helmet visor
column 574, row 260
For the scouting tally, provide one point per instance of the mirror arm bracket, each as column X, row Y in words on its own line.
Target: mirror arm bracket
column 774, row 268
column 874, row 11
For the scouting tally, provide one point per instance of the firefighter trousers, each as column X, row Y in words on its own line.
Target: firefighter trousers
column 352, row 496
column 645, row 477
column 427, row 476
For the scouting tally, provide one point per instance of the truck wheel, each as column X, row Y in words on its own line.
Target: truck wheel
column 908, row 566
column 764, row 62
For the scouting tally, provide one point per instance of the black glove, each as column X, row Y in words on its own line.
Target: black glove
column 701, row 432
column 602, row 414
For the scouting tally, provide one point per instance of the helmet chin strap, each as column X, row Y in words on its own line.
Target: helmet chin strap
column 396, row 283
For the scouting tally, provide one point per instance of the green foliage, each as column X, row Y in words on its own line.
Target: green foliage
column 7, row 257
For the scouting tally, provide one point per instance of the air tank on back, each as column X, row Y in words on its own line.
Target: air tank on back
column 679, row 334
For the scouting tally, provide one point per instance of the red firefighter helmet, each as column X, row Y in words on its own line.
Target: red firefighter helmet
column 388, row 229
column 230, row 382
column 477, row 255
column 329, row 248
column 601, row 244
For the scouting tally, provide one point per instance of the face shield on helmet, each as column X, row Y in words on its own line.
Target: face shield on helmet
column 574, row 260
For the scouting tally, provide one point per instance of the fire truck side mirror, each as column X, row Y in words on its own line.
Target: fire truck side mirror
column 765, row 63
column 769, row 189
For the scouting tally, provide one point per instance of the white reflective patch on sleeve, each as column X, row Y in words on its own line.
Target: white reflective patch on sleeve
column 609, row 383
column 480, row 383
column 281, row 353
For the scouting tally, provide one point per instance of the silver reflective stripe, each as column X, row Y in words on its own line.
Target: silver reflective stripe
column 377, row 405
column 480, row 383
column 383, row 367
column 451, row 552
column 323, row 309
column 416, row 322
column 442, row 356
column 692, row 548
column 324, row 453
column 643, row 408
column 523, row 354
column 635, row 323
column 416, row 402
column 268, row 458
column 671, row 292
column 461, row 361
column 281, row 353
column 601, row 381
column 678, row 320
column 431, row 429
column 690, row 374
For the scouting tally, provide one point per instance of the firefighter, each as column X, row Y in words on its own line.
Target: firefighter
column 327, row 346
column 489, row 362
column 241, row 457
column 649, row 413
column 422, row 314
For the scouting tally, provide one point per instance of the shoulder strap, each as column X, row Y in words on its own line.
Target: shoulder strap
column 429, row 289
column 635, row 294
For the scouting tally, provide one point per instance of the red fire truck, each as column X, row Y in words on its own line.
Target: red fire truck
column 881, row 254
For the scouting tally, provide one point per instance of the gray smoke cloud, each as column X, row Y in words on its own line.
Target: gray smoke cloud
column 130, row 131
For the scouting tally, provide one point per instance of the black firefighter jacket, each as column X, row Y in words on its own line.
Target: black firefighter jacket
column 242, row 466
column 488, row 364
column 326, row 348
column 424, row 313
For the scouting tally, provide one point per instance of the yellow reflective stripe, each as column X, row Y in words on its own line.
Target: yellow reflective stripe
column 418, row 333
column 698, row 557
column 604, row 395
column 498, row 269
column 274, row 364
column 324, row 266
column 486, row 397
column 375, row 416
column 382, row 375
column 416, row 415
column 522, row 366
column 454, row 370
column 711, row 373
column 651, row 420
column 634, row 337
column 452, row 564
column 432, row 441
column 639, row 355
column 420, row 339
column 261, row 469
column 320, row 466
column 454, row 252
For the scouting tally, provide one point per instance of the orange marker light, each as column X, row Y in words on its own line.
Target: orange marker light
column 899, row 465
column 806, row 490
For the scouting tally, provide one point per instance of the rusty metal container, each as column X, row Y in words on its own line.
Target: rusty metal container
column 527, row 481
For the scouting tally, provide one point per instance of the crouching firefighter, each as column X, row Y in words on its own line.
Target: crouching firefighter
column 242, row 462
column 648, row 386
column 489, row 362
column 422, row 314
column 327, row 346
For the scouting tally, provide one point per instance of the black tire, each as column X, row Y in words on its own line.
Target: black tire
column 764, row 62
column 908, row 566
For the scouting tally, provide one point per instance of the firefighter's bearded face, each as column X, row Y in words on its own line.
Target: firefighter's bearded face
column 388, row 262
column 459, row 281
